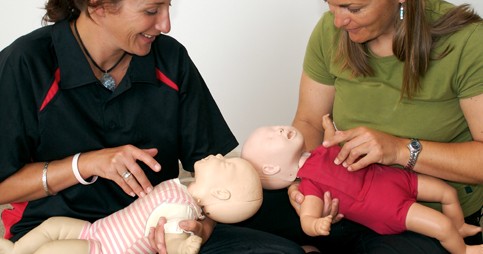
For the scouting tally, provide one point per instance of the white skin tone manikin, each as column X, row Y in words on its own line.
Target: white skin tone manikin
column 277, row 152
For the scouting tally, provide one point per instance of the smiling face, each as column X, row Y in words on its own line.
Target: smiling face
column 134, row 24
column 275, row 152
column 365, row 20
column 228, row 189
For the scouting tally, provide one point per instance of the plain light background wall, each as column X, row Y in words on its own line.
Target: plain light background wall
column 249, row 52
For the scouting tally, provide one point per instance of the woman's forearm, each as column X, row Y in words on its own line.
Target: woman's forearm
column 459, row 162
column 27, row 184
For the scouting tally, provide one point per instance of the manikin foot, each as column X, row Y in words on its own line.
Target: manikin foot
column 468, row 230
column 6, row 246
column 474, row 249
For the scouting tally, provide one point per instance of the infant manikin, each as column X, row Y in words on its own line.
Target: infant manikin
column 380, row 197
column 227, row 190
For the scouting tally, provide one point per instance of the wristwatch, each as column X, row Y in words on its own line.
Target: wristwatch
column 415, row 148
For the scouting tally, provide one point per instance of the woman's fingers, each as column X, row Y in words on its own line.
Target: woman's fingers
column 362, row 146
column 121, row 165
column 295, row 196
column 331, row 208
column 329, row 127
column 156, row 237
column 194, row 226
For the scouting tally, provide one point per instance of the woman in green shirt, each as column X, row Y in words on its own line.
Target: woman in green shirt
column 403, row 81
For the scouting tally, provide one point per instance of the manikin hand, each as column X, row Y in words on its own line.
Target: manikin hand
column 362, row 146
column 322, row 225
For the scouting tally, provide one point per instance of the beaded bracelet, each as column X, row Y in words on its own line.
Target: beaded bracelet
column 77, row 175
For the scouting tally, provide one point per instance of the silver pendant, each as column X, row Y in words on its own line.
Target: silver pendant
column 108, row 82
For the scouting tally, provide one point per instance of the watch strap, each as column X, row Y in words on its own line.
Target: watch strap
column 413, row 153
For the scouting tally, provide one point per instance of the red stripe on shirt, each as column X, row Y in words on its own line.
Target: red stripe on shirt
column 163, row 78
column 54, row 88
column 11, row 216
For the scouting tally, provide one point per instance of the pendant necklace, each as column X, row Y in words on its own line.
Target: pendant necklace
column 107, row 80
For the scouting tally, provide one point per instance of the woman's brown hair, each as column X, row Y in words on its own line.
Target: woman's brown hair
column 57, row 10
column 414, row 39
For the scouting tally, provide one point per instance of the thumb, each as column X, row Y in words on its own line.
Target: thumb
column 328, row 125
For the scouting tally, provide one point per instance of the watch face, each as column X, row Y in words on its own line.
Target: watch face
column 415, row 144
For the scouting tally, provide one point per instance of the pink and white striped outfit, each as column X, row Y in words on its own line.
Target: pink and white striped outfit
column 124, row 231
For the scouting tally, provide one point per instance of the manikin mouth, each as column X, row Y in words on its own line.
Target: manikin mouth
column 288, row 133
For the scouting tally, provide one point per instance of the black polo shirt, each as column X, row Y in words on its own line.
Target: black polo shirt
column 53, row 107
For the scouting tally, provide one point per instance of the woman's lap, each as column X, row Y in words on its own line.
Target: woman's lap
column 278, row 217
column 232, row 239
column 407, row 242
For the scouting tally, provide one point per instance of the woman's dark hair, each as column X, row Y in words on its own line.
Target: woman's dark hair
column 57, row 10
column 414, row 39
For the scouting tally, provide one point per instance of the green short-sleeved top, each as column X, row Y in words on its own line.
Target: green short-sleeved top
column 433, row 114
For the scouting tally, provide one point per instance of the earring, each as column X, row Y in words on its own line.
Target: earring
column 401, row 11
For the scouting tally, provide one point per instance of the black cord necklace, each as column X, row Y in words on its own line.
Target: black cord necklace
column 107, row 80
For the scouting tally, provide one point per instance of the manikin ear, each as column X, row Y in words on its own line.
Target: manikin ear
column 269, row 169
column 221, row 194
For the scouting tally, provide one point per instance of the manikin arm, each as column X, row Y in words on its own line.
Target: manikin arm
column 313, row 224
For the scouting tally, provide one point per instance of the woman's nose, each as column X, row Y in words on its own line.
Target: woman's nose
column 340, row 19
column 163, row 23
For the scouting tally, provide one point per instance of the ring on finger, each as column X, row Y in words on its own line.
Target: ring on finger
column 126, row 175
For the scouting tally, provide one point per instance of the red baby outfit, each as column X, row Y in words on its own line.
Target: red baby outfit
column 377, row 196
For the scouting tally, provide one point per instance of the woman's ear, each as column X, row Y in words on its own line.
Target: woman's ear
column 98, row 11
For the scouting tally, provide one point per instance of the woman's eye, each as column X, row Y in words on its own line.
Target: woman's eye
column 353, row 10
column 152, row 12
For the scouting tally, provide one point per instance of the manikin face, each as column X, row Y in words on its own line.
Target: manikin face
column 228, row 189
column 134, row 25
column 365, row 20
column 275, row 152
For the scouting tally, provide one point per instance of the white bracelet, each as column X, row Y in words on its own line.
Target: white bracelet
column 77, row 175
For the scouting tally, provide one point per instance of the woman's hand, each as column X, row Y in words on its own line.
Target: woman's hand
column 295, row 196
column 331, row 205
column 202, row 228
column 156, row 237
column 120, row 165
column 363, row 146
